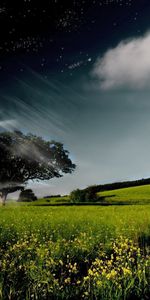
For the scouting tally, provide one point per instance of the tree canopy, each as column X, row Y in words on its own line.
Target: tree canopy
column 30, row 157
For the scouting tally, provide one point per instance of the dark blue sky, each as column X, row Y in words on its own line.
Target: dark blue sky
column 79, row 72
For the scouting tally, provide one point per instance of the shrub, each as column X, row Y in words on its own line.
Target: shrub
column 90, row 195
column 27, row 196
column 86, row 195
column 77, row 196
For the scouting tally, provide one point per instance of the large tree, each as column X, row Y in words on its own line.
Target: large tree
column 29, row 157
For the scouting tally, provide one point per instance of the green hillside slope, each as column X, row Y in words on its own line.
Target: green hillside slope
column 132, row 195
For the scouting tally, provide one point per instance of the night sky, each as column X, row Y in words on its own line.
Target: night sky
column 79, row 72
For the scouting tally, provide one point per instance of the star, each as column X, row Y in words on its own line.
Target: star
column 2, row 10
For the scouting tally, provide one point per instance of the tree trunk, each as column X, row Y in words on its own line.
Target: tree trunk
column 3, row 198
column 5, row 191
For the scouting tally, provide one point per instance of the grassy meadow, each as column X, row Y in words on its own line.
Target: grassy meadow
column 131, row 195
column 77, row 252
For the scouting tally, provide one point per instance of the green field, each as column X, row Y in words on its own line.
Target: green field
column 51, row 201
column 131, row 195
column 77, row 252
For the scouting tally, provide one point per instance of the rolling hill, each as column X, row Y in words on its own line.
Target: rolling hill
column 130, row 195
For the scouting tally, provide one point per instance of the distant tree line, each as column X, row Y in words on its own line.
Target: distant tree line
column 52, row 196
column 118, row 185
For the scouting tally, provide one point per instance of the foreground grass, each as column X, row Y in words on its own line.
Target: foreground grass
column 75, row 252
column 132, row 195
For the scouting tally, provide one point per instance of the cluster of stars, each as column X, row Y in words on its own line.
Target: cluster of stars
column 75, row 65
column 70, row 21
column 30, row 43
column 2, row 10
column 59, row 33
column 27, row 44
column 79, row 63
column 117, row 2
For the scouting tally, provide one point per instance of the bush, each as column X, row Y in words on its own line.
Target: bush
column 86, row 195
column 27, row 196
column 77, row 196
column 90, row 195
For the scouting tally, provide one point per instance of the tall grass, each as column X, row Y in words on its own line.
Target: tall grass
column 74, row 252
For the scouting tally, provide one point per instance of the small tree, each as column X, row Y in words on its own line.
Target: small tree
column 90, row 195
column 86, row 195
column 77, row 196
column 29, row 157
column 27, row 196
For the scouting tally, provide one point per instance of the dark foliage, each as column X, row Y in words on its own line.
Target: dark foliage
column 87, row 195
column 52, row 196
column 117, row 185
column 27, row 196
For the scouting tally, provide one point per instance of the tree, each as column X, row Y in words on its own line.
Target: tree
column 27, row 196
column 86, row 195
column 90, row 195
column 77, row 196
column 29, row 157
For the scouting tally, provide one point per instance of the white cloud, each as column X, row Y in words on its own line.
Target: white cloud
column 8, row 124
column 127, row 65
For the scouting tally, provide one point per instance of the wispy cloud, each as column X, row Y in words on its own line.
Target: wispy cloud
column 127, row 65
column 43, row 106
column 8, row 124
